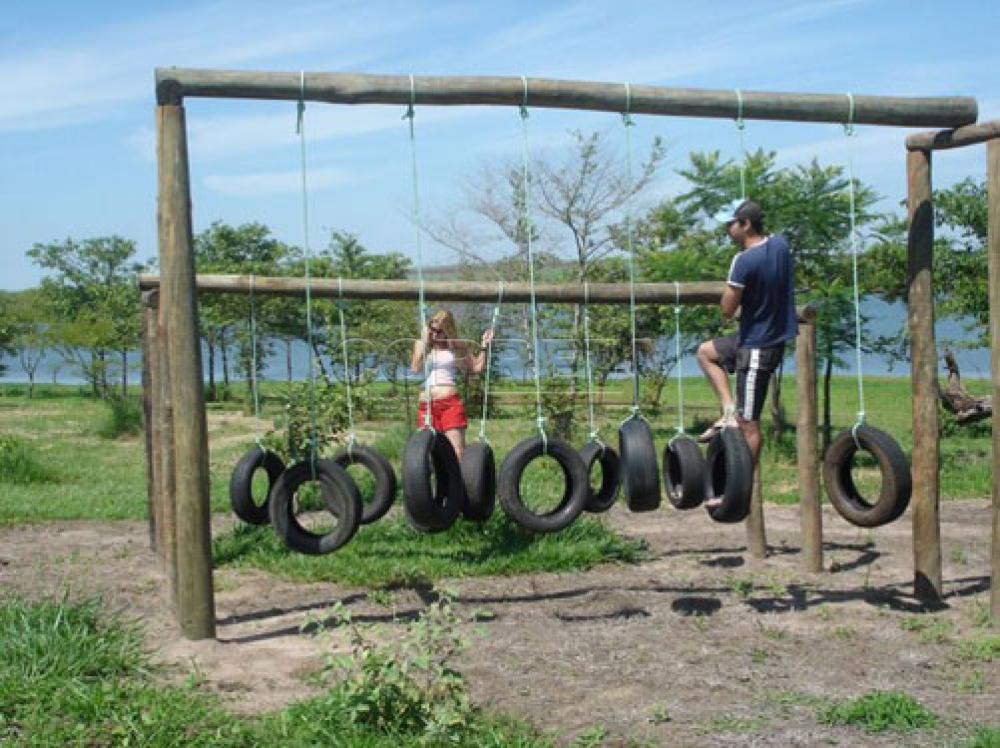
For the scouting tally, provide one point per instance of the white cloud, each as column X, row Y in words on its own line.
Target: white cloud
column 277, row 182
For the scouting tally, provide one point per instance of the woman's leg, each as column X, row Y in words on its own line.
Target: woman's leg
column 457, row 439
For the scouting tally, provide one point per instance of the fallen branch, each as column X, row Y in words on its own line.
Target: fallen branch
column 966, row 407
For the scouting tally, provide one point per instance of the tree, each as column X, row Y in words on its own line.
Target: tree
column 95, row 302
column 29, row 338
column 7, row 327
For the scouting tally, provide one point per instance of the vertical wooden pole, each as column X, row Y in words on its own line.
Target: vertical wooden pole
column 165, row 430
column 993, row 244
column 756, row 535
column 195, row 597
column 807, row 449
column 927, row 585
column 149, row 418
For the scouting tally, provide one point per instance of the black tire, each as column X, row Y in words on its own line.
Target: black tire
column 574, row 473
column 241, row 484
column 381, row 470
column 684, row 473
column 340, row 496
column 479, row 474
column 897, row 483
column 729, row 476
column 604, row 499
column 431, row 508
column 639, row 469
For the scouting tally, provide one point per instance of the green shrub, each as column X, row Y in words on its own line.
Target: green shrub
column 879, row 711
column 18, row 465
column 122, row 417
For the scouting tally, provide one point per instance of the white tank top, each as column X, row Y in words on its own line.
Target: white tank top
column 442, row 368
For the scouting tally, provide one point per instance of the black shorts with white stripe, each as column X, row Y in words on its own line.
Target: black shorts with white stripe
column 753, row 368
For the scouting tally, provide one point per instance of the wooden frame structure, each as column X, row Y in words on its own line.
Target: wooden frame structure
column 177, row 444
column 926, row 455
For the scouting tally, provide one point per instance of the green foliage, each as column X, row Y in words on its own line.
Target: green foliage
column 880, row 711
column 409, row 684
column 984, row 737
column 314, row 418
column 18, row 464
column 982, row 647
column 122, row 417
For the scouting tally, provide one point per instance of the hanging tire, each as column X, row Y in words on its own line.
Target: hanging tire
column 729, row 476
column 340, row 497
column 385, row 479
column 897, row 483
column 604, row 498
column 241, row 484
column 574, row 473
column 479, row 475
column 684, row 473
column 639, row 469
column 431, row 508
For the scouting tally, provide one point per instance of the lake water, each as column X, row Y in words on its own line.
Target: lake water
column 885, row 319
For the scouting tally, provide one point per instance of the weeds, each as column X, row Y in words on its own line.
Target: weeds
column 123, row 417
column 18, row 464
column 880, row 711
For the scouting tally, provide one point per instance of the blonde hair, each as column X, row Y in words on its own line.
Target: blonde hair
column 447, row 321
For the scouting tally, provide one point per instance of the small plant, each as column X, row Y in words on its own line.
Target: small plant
column 824, row 611
column 592, row 737
column 980, row 615
column 985, row 737
column 18, row 464
column 659, row 715
column 959, row 556
column 844, row 632
column 983, row 648
column 407, row 685
column 123, row 417
column 758, row 655
column 880, row 711
column 742, row 588
column 973, row 682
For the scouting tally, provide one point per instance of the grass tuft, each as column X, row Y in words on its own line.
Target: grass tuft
column 880, row 711
column 123, row 417
column 18, row 466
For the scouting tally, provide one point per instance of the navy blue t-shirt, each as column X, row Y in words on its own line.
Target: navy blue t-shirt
column 765, row 272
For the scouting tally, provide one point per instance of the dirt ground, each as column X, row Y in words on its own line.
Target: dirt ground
column 698, row 645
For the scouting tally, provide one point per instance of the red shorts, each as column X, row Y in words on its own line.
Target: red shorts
column 446, row 413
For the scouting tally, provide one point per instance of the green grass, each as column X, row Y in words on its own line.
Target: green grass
column 19, row 465
column 69, row 676
column 389, row 553
column 880, row 711
column 984, row 737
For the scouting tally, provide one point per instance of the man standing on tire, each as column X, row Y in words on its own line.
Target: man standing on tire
column 761, row 282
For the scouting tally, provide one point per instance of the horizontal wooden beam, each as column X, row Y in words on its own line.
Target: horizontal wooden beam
column 707, row 292
column 944, row 139
column 174, row 84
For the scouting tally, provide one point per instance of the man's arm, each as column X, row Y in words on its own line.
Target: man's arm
column 730, row 302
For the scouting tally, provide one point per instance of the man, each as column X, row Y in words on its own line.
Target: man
column 761, row 281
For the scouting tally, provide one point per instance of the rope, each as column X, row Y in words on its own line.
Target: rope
column 590, row 375
column 628, row 123
column 850, row 131
column 539, row 417
column 301, row 131
column 489, row 357
column 351, row 434
column 428, row 350
column 253, row 365
column 677, row 353
column 741, row 126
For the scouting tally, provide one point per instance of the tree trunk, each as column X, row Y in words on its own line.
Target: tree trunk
column 288, row 359
column 31, row 384
column 827, row 376
column 224, row 349
column 210, row 346
column 966, row 407
column 124, row 353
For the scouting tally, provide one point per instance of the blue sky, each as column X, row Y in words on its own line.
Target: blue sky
column 76, row 101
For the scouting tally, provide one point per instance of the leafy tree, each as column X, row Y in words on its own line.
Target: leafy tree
column 25, row 313
column 95, row 302
column 7, row 327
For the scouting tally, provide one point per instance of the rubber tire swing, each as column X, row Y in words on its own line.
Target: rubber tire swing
column 241, row 484
column 384, row 492
column 479, row 476
column 431, row 508
column 639, row 469
column 604, row 498
column 897, row 483
column 340, row 497
column 574, row 473
column 684, row 473
column 729, row 475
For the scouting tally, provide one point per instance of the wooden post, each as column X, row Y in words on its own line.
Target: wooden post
column 167, row 485
column 756, row 534
column 806, row 447
column 195, row 598
column 149, row 417
column 993, row 243
column 927, row 584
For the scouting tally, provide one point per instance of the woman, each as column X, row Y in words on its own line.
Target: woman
column 447, row 352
